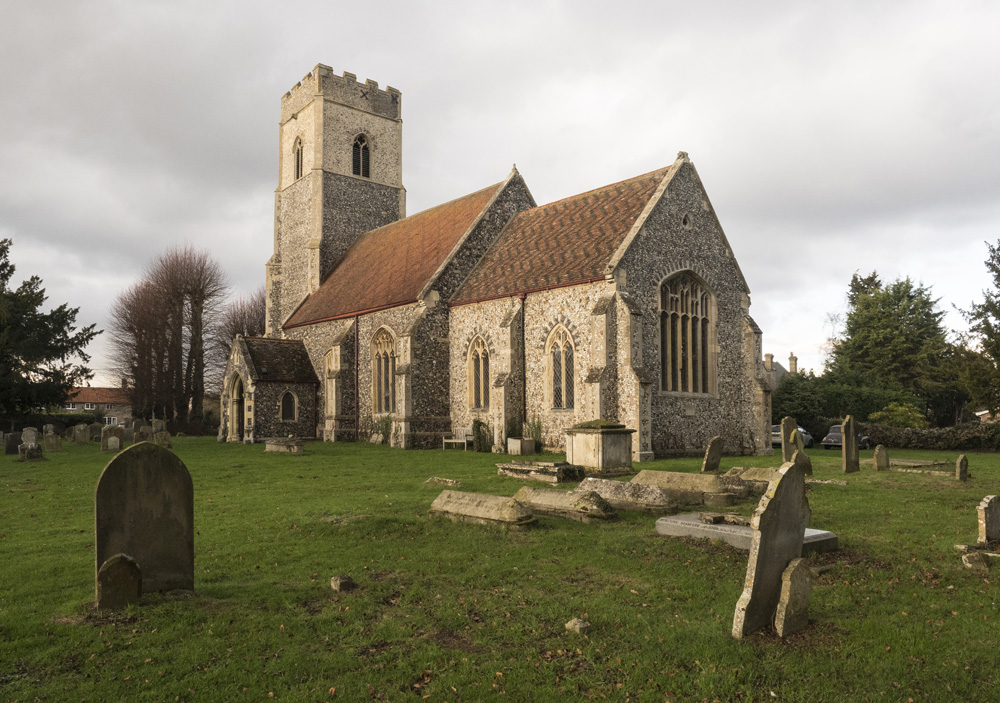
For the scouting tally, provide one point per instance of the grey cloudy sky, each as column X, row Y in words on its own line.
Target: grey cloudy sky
column 832, row 137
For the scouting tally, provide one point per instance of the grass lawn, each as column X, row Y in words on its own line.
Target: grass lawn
column 457, row 612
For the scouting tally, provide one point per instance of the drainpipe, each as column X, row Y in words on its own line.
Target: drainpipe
column 357, row 387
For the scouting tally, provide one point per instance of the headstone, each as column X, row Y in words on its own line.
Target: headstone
column 129, row 436
column 144, row 507
column 342, row 583
column 881, row 459
column 137, row 423
column 798, row 444
column 95, row 430
column 119, row 583
column 712, row 455
column 11, row 441
column 624, row 495
column 851, row 460
column 962, row 468
column 582, row 507
column 29, row 435
column 145, row 434
column 989, row 520
column 482, row 509
column 779, row 525
column 48, row 429
column 547, row 471
column 29, row 452
column 81, row 434
column 802, row 460
column 792, row 614
column 52, row 443
column 109, row 433
column 162, row 439
column 788, row 424
column 159, row 426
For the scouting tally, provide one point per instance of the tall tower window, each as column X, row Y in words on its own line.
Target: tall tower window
column 298, row 158
column 361, row 157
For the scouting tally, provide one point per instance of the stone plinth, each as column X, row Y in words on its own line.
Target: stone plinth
column 284, row 445
column 600, row 450
column 739, row 536
column 624, row 495
column 582, row 507
column 547, row 471
column 481, row 509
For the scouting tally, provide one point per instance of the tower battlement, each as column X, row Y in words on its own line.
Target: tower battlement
column 345, row 90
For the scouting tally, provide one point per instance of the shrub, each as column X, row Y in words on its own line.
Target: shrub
column 899, row 415
column 970, row 436
column 482, row 436
column 533, row 428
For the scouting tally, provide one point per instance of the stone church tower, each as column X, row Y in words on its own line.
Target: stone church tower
column 339, row 176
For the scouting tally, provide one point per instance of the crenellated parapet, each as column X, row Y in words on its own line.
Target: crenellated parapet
column 345, row 90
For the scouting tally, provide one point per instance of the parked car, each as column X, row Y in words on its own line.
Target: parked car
column 835, row 438
column 776, row 437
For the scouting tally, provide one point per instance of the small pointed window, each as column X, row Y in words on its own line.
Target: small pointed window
column 288, row 407
column 299, row 165
column 361, row 157
column 479, row 375
column 560, row 353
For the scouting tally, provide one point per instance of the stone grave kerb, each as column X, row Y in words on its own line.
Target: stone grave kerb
column 778, row 529
column 144, row 507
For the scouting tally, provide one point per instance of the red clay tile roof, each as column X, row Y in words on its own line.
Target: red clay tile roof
column 564, row 242
column 98, row 395
column 389, row 266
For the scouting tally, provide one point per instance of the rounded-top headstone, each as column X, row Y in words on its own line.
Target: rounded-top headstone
column 119, row 583
column 144, row 507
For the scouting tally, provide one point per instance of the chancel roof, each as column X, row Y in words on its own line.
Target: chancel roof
column 389, row 266
column 565, row 242
column 283, row 360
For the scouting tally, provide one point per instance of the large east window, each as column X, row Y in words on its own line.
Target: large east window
column 687, row 336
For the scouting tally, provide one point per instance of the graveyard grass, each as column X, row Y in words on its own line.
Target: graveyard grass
column 456, row 612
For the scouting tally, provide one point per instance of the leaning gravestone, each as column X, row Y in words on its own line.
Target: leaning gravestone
column 29, row 435
column 162, row 439
column 144, row 507
column 112, row 438
column 788, row 424
column 962, row 468
column 852, row 462
column 81, row 434
column 52, row 443
column 119, row 583
column 11, row 441
column 881, row 459
column 779, row 525
column 802, row 460
column 989, row 520
column 713, row 454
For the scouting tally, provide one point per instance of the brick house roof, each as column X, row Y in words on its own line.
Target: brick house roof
column 568, row 241
column 390, row 265
column 284, row 360
column 104, row 396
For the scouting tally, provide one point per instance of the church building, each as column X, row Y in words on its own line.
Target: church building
column 623, row 303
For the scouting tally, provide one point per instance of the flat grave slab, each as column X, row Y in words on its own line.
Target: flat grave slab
column 739, row 536
column 552, row 472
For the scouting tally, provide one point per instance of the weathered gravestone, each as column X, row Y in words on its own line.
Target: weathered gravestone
column 52, row 443
column 48, row 429
column 11, row 441
column 95, row 430
column 159, row 426
column 802, row 460
column 81, row 434
column 144, row 434
column 144, row 507
column 989, row 520
column 881, row 459
column 119, row 583
column 788, row 424
column 29, row 435
column 29, row 452
column 712, row 455
column 481, row 508
column 112, row 438
column 792, row 614
column 962, row 468
column 584, row 506
column 137, row 423
column 624, row 495
column 778, row 527
column 162, row 439
column 852, row 462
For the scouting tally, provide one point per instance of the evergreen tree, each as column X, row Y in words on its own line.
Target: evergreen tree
column 983, row 370
column 37, row 349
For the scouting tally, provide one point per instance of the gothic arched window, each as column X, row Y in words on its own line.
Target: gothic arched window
column 289, row 407
column 559, row 355
column 383, row 372
column 360, row 162
column 299, row 164
column 687, row 335
column 478, row 366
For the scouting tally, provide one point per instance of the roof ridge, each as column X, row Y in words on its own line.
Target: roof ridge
column 604, row 187
column 430, row 209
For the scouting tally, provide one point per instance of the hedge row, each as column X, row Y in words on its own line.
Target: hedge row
column 972, row 436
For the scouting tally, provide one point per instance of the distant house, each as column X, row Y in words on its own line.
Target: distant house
column 113, row 402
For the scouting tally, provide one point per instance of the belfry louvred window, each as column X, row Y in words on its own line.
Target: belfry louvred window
column 686, row 336
column 361, row 157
